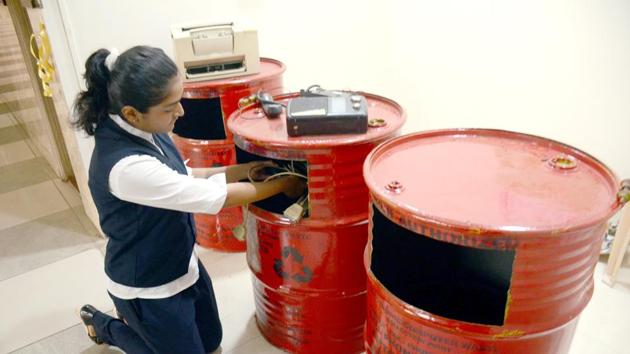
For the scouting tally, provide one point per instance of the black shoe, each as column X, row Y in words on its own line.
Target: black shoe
column 87, row 316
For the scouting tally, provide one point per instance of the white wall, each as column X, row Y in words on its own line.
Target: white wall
column 560, row 69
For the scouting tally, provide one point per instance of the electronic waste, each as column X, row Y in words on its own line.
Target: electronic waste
column 215, row 51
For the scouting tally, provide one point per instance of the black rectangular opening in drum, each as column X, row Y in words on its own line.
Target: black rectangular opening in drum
column 202, row 119
column 457, row 282
column 279, row 202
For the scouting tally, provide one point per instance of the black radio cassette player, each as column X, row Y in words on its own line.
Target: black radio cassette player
column 344, row 113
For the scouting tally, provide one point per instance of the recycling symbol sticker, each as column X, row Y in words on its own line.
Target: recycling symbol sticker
column 291, row 256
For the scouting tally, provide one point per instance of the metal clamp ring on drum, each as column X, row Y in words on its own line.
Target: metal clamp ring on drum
column 624, row 192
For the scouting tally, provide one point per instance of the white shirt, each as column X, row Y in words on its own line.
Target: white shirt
column 143, row 179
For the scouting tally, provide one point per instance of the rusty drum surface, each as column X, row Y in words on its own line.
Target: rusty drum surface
column 308, row 277
column 214, row 101
column 481, row 241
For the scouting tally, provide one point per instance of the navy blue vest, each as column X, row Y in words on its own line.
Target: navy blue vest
column 147, row 246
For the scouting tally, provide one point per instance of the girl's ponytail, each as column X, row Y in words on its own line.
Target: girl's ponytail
column 92, row 106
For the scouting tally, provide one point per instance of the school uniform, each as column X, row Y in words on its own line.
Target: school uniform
column 144, row 197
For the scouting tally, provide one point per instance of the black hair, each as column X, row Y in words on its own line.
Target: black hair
column 139, row 78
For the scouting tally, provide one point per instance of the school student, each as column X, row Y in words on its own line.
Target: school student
column 145, row 195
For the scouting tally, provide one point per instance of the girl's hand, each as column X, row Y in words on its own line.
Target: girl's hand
column 255, row 170
column 293, row 186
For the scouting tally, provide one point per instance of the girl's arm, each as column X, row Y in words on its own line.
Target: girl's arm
column 233, row 173
column 242, row 193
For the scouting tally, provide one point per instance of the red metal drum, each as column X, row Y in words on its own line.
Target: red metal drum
column 482, row 241
column 309, row 280
column 201, row 138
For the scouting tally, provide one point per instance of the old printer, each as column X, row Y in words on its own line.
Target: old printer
column 214, row 51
